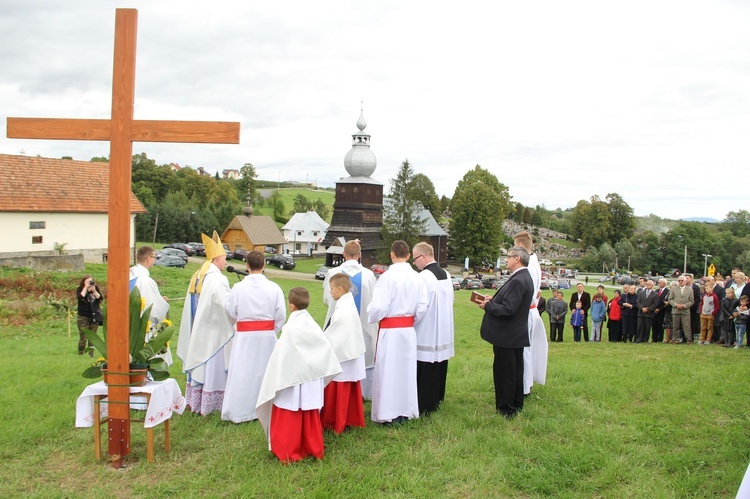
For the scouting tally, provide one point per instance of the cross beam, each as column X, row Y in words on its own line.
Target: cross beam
column 121, row 131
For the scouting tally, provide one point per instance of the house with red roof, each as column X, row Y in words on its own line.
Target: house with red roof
column 46, row 204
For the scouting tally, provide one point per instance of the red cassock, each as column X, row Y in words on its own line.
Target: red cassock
column 342, row 406
column 295, row 435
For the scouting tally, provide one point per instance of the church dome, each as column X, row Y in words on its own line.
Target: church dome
column 360, row 160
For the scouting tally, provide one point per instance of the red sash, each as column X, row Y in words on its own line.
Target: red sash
column 244, row 326
column 394, row 322
column 532, row 307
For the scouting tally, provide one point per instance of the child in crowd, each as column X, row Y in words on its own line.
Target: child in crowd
column 576, row 320
column 613, row 325
column 728, row 304
column 301, row 365
column 741, row 315
column 343, row 406
column 598, row 312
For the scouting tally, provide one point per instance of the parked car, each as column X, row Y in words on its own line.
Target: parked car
column 189, row 250
column 499, row 283
column 170, row 261
column 378, row 269
column 199, row 248
column 544, row 283
column 487, row 282
column 471, row 284
column 321, row 272
column 281, row 261
column 563, row 284
column 172, row 252
column 240, row 254
column 230, row 253
column 271, row 249
column 559, row 262
column 456, row 283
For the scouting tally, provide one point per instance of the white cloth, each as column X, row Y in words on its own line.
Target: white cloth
column 399, row 292
column 352, row 370
column 206, row 336
column 535, row 356
column 435, row 330
column 150, row 293
column 370, row 331
column 166, row 398
column 255, row 298
column 344, row 330
column 302, row 354
column 744, row 491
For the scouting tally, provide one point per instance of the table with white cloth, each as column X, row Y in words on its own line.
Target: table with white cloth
column 161, row 400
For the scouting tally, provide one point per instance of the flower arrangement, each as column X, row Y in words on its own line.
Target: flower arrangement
column 147, row 341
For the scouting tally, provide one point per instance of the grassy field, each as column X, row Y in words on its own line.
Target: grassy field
column 614, row 420
column 288, row 195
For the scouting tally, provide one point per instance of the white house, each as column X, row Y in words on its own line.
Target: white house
column 47, row 203
column 304, row 234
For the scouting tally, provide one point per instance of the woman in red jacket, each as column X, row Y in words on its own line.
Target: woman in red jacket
column 615, row 318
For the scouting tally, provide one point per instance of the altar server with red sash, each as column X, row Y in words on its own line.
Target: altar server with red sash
column 343, row 406
column 399, row 301
column 257, row 307
column 206, row 331
column 291, row 396
column 363, row 282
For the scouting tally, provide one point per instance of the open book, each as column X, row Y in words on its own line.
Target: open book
column 477, row 297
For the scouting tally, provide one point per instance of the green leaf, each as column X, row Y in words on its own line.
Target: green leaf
column 92, row 372
column 159, row 375
column 97, row 341
column 161, row 340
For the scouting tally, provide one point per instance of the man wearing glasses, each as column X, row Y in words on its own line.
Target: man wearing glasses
column 434, row 331
column 140, row 277
column 505, row 326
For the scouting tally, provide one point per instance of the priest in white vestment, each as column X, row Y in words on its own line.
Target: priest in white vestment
column 363, row 282
column 399, row 301
column 257, row 307
column 206, row 332
column 434, row 331
column 140, row 277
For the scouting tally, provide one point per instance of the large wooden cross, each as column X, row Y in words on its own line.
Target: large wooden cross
column 121, row 131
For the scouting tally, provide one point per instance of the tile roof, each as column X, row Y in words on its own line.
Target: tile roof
column 30, row 183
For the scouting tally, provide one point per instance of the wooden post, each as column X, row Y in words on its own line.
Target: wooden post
column 121, row 131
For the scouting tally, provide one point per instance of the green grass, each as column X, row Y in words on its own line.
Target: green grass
column 288, row 195
column 614, row 420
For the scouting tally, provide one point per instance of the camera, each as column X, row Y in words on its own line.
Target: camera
column 91, row 282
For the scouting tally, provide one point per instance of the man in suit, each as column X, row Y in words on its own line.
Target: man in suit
column 662, row 303
column 505, row 326
column 585, row 299
column 695, row 316
column 647, row 302
column 681, row 299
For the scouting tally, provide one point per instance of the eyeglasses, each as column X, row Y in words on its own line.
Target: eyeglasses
column 414, row 259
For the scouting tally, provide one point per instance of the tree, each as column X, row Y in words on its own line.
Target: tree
column 278, row 205
column 738, row 223
column 444, row 203
column 621, row 218
column 247, row 185
column 400, row 216
column 301, row 204
column 478, row 208
column 526, row 217
column 422, row 189
column 321, row 209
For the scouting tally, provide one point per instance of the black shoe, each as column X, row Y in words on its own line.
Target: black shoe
column 400, row 419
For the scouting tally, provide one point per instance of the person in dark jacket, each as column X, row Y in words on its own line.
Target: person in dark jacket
column 504, row 325
column 629, row 308
column 89, row 311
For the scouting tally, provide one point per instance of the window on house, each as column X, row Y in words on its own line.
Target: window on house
column 299, row 232
column 315, row 233
column 36, row 239
column 315, row 247
column 37, row 225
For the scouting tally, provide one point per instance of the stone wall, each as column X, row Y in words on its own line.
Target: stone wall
column 44, row 262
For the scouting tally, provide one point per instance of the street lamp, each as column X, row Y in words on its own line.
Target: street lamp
column 706, row 256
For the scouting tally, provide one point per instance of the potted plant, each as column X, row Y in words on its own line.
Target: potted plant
column 147, row 341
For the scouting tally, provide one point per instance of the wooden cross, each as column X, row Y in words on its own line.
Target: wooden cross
column 121, row 131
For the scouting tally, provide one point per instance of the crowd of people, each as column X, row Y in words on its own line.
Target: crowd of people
column 387, row 340
column 711, row 310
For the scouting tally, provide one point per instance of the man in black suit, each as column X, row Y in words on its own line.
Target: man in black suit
column 505, row 326
column 585, row 299
column 662, row 305
column 647, row 301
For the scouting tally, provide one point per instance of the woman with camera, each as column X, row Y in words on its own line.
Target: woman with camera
column 89, row 311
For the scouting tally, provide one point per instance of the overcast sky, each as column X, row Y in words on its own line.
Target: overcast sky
column 560, row 100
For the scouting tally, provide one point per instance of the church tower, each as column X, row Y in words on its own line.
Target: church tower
column 358, row 205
